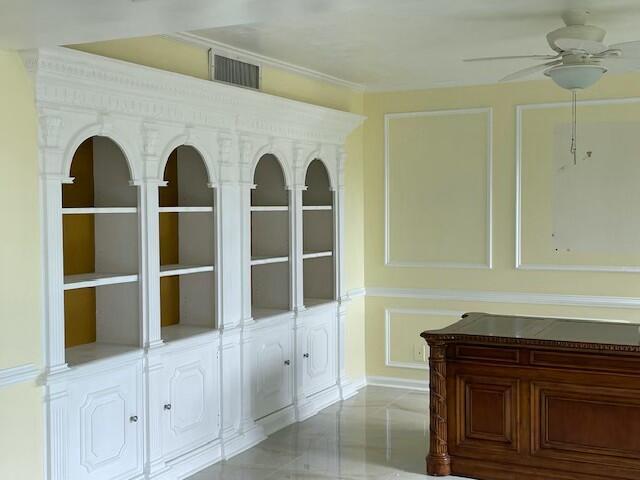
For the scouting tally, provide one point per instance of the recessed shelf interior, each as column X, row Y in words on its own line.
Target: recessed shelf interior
column 100, row 238
column 318, row 238
column 187, row 247
column 270, row 271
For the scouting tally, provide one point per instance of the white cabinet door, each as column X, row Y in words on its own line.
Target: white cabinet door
column 106, row 424
column 191, row 407
column 319, row 354
column 273, row 388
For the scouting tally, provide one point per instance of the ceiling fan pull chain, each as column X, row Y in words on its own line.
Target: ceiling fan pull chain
column 574, row 128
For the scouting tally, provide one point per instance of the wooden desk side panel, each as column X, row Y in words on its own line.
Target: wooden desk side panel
column 531, row 413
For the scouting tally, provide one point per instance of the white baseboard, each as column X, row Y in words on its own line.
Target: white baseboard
column 278, row 420
column 353, row 387
column 238, row 444
column 192, row 462
column 419, row 385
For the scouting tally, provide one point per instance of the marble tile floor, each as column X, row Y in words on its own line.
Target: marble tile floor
column 379, row 434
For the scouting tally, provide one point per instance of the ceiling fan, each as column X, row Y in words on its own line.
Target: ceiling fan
column 579, row 60
column 580, row 57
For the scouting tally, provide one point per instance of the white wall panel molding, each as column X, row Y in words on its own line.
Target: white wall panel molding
column 388, row 326
column 519, row 253
column 488, row 263
column 506, row 297
column 20, row 374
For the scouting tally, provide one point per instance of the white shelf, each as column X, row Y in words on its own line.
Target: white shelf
column 87, row 280
column 314, row 302
column 97, row 210
column 317, row 207
column 184, row 209
column 178, row 269
column 172, row 333
column 327, row 253
column 261, row 313
column 92, row 352
column 267, row 260
column 272, row 208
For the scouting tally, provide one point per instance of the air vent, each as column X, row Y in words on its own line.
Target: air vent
column 228, row 70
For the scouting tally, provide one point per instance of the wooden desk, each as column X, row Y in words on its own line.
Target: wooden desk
column 522, row 398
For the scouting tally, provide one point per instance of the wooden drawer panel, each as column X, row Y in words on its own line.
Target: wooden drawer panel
column 585, row 361
column 487, row 412
column 492, row 354
column 586, row 423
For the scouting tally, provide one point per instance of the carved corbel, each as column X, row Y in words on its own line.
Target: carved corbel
column 50, row 129
column 438, row 461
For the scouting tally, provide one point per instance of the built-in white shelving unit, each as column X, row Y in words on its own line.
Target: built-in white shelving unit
column 100, row 254
column 187, row 247
column 193, row 281
column 270, row 237
column 318, row 236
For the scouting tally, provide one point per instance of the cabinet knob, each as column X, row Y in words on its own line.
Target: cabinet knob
column 287, row 362
column 167, row 406
column 306, row 355
column 133, row 418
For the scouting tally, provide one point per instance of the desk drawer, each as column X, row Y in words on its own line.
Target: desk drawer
column 488, row 354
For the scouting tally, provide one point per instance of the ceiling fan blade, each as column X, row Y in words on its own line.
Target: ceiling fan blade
column 588, row 46
column 530, row 70
column 620, row 64
column 628, row 49
column 511, row 57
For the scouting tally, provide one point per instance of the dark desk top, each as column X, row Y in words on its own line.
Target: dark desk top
column 537, row 330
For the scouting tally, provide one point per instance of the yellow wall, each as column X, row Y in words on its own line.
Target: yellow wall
column 21, row 422
column 426, row 231
column 160, row 52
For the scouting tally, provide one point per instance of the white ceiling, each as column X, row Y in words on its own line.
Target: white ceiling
column 398, row 44
column 380, row 44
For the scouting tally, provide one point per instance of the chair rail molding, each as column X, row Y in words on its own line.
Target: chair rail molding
column 506, row 297
column 488, row 263
column 519, row 251
column 20, row 374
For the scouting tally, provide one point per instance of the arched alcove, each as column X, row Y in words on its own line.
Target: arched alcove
column 318, row 237
column 187, row 246
column 270, row 271
column 100, row 238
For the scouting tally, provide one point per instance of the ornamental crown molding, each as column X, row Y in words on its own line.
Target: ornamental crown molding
column 80, row 81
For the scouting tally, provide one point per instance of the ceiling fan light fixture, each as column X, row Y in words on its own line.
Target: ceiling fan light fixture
column 575, row 77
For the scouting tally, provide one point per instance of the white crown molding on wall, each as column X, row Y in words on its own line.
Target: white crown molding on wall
column 20, row 374
column 488, row 264
column 519, row 264
column 388, row 312
column 258, row 59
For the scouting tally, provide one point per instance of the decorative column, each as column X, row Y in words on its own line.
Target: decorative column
column 149, row 247
column 296, row 250
column 340, row 279
column 438, row 461
column 53, row 175
column 57, row 447
column 149, row 275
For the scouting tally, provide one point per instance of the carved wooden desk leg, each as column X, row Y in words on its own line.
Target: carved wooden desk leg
column 438, row 461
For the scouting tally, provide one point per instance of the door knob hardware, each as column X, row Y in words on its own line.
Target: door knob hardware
column 133, row 418
column 167, row 406
column 306, row 355
column 287, row 362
